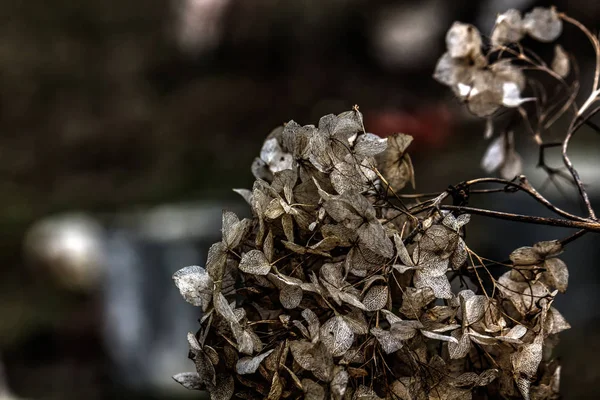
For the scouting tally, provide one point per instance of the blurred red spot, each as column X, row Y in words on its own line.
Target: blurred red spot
column 430, row 125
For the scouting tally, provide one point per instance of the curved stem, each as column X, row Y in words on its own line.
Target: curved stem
column 527, row 188
column 574, row 173
column 595, row 43
column 591, row 226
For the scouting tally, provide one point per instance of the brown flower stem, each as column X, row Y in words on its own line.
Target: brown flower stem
column 573, row 237
column 591, row 226
column 524, row 186
column 567, row 161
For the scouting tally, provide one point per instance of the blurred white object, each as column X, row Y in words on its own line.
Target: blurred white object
column 70, row 247
column 407, row 35
column 199, row 24
column 145, row 318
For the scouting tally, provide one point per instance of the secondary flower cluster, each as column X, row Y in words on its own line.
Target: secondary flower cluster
column 489, row 82
column 485, row 86
column 336, row 289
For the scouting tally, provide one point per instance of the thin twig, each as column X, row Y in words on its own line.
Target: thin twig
column 524, row 186
column 591, row 226
column 567, row 161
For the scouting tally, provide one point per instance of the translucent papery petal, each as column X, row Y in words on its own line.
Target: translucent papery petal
column 463, row 40
column 508, row 28
column 439, row 284
column 543, row 24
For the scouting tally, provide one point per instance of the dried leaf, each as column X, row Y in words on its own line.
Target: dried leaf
column 269, row 247
column 389, row 343
column 525, row 256
column 276, row 388
column 555, row 322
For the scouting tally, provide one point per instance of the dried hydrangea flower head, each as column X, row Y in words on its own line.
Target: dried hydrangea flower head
column 337, row 288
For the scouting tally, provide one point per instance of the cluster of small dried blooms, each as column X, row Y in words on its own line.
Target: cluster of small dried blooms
column 492, row 81
column 339, row 289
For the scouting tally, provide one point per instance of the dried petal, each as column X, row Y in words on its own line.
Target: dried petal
column 313, row 357
column 373, row 236
column 556, row 274
column 249, row 365
column 312, row 390
column 376, row 298
column 233, row 229
column 313, row 323
column 195, row 286
column 463, row 40
column 560, row 63
column 395, row 163
column 525, row 256
column 513, row 165
column 368, row 145
column 337, row 336
column 543, row 24
column 414, row 300
column 439, row 284
column 255, row 262
column 290, row 296
column 189, row 380
column 224, row 388
column 339, row 384
column 508, row 28
column 461, row 348
column 215, row 262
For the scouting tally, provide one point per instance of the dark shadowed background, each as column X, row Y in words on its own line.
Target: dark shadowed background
column 124, row 125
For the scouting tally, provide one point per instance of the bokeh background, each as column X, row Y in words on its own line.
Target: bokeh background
column 124, row 126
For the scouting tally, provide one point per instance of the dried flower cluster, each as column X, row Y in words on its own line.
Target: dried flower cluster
column 338, row 288
column 492, row 81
